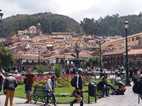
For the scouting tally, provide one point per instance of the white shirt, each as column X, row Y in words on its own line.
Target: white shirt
column 49, row 85
column 77, row 81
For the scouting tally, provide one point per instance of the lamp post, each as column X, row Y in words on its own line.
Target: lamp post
column 1, row 15
column 100, row 55
column 77, row 51
column 38, row 28
column 126, row 52
column 38, row 56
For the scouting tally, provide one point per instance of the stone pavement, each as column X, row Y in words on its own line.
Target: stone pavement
column 129, row 99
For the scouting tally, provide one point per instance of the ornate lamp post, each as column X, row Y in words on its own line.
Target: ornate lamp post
column 100, row 53
column 38, row 28
column 77, row 51
column 126, row 52
column 1, row 15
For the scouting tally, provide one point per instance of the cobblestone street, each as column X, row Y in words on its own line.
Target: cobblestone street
column 129, row 99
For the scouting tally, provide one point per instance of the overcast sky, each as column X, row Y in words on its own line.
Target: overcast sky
column 77, row 9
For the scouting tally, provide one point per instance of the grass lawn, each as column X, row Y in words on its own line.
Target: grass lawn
column 20, row 92
column 58, row 91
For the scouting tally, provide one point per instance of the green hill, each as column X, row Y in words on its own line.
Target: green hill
column 112, row 25
column 49, row 23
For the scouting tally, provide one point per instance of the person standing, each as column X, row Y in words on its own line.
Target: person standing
column 53, row 79
column 28, row 81
column 77, row 83
column 49, row 88
column 9, row 87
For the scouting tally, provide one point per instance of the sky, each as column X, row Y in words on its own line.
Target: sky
column 77, row 9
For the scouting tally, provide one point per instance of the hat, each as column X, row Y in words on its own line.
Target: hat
column 9, row 74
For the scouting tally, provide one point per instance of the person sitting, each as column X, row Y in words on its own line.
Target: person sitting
column 120, row 91
column 103, row 86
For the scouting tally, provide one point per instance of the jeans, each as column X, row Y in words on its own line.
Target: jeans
column 75, row 101
column 50, row 96
column 105, row 91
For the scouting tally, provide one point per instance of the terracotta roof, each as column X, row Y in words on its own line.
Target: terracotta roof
column 62, row 56
column 85, row 53
column 135, row 51
column 130, row 52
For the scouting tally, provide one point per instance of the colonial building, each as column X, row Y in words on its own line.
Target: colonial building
column 114, row 51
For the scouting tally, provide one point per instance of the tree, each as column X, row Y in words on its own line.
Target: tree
column 57, row 69
column 6, row 58
column 40, row 69
column 88, row 26
column 49, row 23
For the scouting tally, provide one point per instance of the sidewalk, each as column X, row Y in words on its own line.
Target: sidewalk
column 129, row 99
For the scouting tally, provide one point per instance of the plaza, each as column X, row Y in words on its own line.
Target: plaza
column 67, row 52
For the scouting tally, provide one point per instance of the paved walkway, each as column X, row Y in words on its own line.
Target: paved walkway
column 129, row 99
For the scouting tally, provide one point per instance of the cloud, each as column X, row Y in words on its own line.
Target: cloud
column 77, row 9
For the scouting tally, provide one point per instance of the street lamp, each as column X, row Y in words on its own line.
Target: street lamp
column 1, row 15
column 126, row 52
column 100, row 54
column 38, row 55
column 38, row 28
column 77, row 51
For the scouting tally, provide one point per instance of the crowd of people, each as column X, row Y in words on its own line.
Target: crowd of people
column 8, row 84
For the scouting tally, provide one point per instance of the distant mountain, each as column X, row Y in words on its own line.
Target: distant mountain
column 49, row 23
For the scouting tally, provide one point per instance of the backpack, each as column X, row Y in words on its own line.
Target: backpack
column 10, row 84
column 73, row 82
column 137, row 88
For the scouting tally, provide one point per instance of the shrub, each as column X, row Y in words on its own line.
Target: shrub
column 40, row 68
column 57, row 70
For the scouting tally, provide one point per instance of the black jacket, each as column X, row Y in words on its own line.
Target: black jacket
column 10, row 83
column 74, row 82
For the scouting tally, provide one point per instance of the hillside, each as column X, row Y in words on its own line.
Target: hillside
column 112, row 25
column 107, row 26
column 49, row 23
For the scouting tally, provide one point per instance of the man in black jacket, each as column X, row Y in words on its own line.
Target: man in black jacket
column 77, row 83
